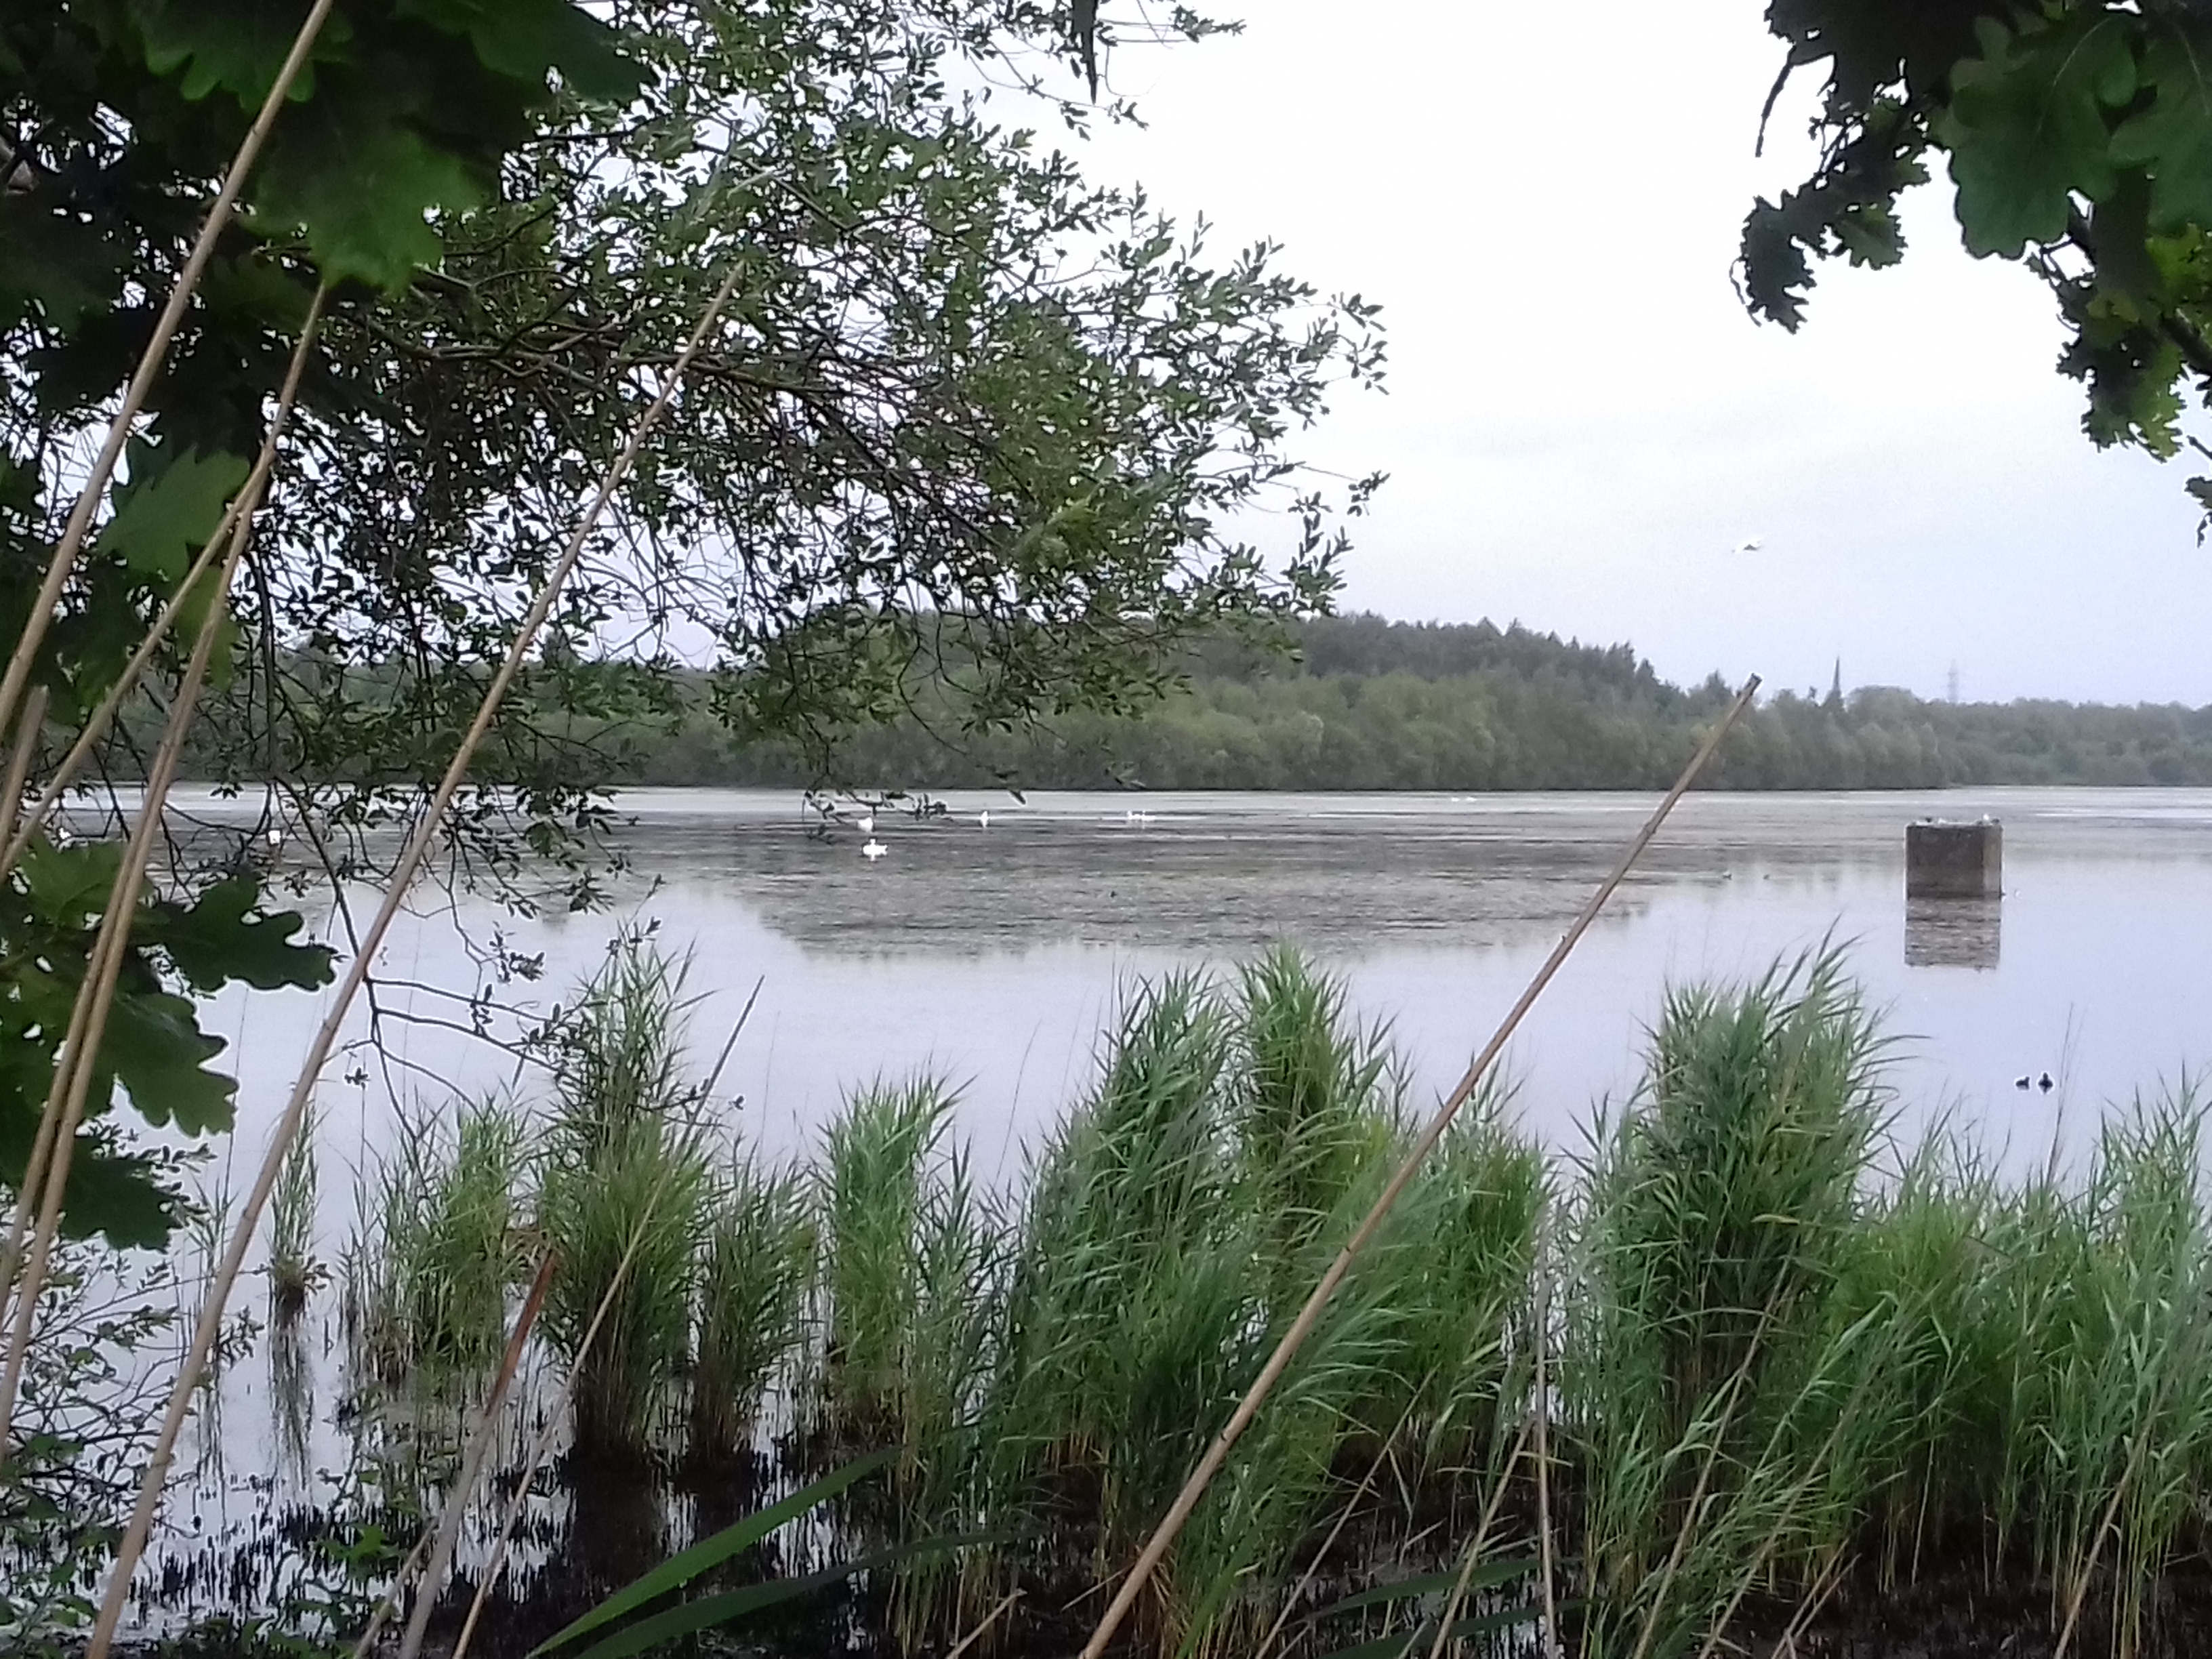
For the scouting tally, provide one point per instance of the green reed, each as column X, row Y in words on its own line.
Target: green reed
column 1782, row 1352
column 883, row 1163
column 623, row 1202
column 294, row 1270
column 438, row 1246
column 755, row 1275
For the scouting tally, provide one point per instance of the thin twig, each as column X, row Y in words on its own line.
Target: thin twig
column 743, row 1014
column 2104, row 1526
column 1156, row 1548
column 16, row 837
column 456, row 1500
column 1343, row 1519
column 390, row 1599
column 1767, row 1545
column 544, row 1443
column 1824, row 1587
column 1734, row 1392
column 150, row 363
column 409, row 863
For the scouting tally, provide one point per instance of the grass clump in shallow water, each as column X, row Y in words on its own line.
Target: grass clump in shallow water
column 294, row 1270
column 622, row 1203
column 429, row 1271
column 755, row 1274
column 1779, row 1363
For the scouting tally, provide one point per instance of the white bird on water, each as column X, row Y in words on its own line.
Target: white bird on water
column 983, row 820
column 874, row 849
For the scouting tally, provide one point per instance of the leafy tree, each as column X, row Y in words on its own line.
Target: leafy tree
column 968, row 420
column 2078, row 134
column 118, row 120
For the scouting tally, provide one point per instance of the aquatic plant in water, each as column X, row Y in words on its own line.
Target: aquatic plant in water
column 623, row 1199
column 294, row 1270
column 438, row 1246
column 756, row 1276
column 1782, row 1358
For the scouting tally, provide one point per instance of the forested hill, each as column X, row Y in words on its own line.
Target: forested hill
column 1372, row 704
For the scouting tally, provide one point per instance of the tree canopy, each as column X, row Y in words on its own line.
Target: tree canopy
column 2078, row 136
column 967, row 418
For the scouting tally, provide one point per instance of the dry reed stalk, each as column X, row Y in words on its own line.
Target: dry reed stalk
column 544, row 1443
column 45, row 1176
column 1474, row 1556
column 149, row 364
column 989, row 1619
column 1217, row 1453
column 1736, row 1385
column 2097, row 1539
column 457, row 1501
column 11, row 791
column 390, row 1599
column 1551, row 1643
column 1824, row 1587
column 72, row 1081
column 18, row 776
column 409, row 863
column 1767, row 1545
column 1343, row 1519
column 15, row 833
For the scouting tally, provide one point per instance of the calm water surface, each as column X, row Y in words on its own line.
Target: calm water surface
column 992, row 955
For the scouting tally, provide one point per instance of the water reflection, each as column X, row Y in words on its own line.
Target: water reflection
column 1953, row 932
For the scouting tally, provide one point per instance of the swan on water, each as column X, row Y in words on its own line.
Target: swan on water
column 874, row 849
column 983, row 820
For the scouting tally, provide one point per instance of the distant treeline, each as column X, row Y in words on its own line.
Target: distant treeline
column 1366, row 703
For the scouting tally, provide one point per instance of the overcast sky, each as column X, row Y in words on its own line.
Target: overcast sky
column 1582, row 422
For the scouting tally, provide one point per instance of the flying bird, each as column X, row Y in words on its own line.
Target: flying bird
column 1749, row 544
column 2044, row 1083
column 2020, row 1082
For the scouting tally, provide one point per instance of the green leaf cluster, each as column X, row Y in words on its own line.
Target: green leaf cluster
column 2078, row 134
column 154, row 1051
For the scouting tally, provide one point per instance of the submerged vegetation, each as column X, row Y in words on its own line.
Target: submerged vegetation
column 1782, row 1370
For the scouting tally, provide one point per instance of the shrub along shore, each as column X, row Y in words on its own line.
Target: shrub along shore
column 1790, row 1370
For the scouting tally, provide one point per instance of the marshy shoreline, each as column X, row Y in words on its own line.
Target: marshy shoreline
column 1805, row 1389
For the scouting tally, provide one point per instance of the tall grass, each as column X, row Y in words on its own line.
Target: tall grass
column 1720, row 1215
column 622, row 1203
column 755, row 1274
column 881, row 1173
column 1785, row 1358
column 294, row 1271
column 439, row 1244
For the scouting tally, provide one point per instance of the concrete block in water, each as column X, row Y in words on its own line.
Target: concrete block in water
column 1954, row 861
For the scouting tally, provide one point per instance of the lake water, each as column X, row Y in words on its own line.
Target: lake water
column 992, row 955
